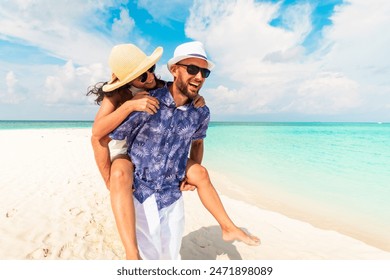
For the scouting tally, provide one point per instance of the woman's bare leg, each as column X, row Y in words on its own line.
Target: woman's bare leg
column 121, row 193
column 197, row 175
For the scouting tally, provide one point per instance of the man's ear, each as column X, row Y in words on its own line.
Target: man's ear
column 173, row 70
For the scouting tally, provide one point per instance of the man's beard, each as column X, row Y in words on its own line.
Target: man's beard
column 183, row 88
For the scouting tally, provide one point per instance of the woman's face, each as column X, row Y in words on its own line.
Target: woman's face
column 149, row 83
column 147, row 80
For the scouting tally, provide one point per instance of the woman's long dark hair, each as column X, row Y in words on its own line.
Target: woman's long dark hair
column 97, row 89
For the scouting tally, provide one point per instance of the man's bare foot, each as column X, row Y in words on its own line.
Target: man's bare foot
column 240, row 235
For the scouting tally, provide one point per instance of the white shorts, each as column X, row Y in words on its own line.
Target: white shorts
column 117, row 147
column 159, row 233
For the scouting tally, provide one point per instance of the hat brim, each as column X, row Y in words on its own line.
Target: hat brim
column 115, row 83
column 172, row 61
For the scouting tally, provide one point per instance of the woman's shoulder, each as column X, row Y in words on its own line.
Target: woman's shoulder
column 116, row 99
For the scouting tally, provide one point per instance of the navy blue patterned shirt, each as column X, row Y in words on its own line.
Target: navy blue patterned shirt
column 158, row 146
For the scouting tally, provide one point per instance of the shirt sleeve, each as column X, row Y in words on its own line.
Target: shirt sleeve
column 200, row 133
column 125, row 129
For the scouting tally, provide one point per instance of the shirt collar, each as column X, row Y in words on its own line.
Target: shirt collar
column 166, row 98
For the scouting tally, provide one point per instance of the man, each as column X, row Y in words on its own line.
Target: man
column 158, row 147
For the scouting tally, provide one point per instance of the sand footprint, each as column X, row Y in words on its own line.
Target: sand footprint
column 11, row 213
column 65, row 252
column 75, row 211
column 46, row 239
column 38, row 254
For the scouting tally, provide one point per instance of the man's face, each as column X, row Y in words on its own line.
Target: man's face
column 189, row 84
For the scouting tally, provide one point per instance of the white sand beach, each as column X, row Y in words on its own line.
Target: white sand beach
column 54, row 205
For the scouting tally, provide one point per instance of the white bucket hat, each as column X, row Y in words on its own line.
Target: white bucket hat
column 192, row 49
column 128, row 62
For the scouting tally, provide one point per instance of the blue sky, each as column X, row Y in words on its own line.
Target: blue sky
column 297, row 60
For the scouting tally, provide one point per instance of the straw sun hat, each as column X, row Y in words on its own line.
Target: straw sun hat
column 128, row 62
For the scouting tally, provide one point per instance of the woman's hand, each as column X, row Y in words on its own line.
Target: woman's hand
column 185, row 186
column 143, row 102
column 199, row 101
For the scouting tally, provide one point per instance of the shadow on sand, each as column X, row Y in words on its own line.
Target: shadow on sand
column 206, row 243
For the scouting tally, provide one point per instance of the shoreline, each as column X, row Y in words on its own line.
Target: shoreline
column 291, row 207
column 54, row 205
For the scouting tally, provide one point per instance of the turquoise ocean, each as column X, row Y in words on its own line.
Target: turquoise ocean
column 334, row 175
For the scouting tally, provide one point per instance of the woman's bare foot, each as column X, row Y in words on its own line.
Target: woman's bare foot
column 240, row 235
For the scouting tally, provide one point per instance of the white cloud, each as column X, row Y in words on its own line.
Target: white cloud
column 226, row 27
column 13, row 93
column 61, row 28
column 225, row 100
column 360, row 40
column 77, row 32
column 68, row 84
column 328, row 93
column 229, row 101
column 11, row 81
column 122, row 27
column 266, row 69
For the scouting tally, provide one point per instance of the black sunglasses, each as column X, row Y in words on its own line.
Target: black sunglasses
column 193, row 70
column 144, row 76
